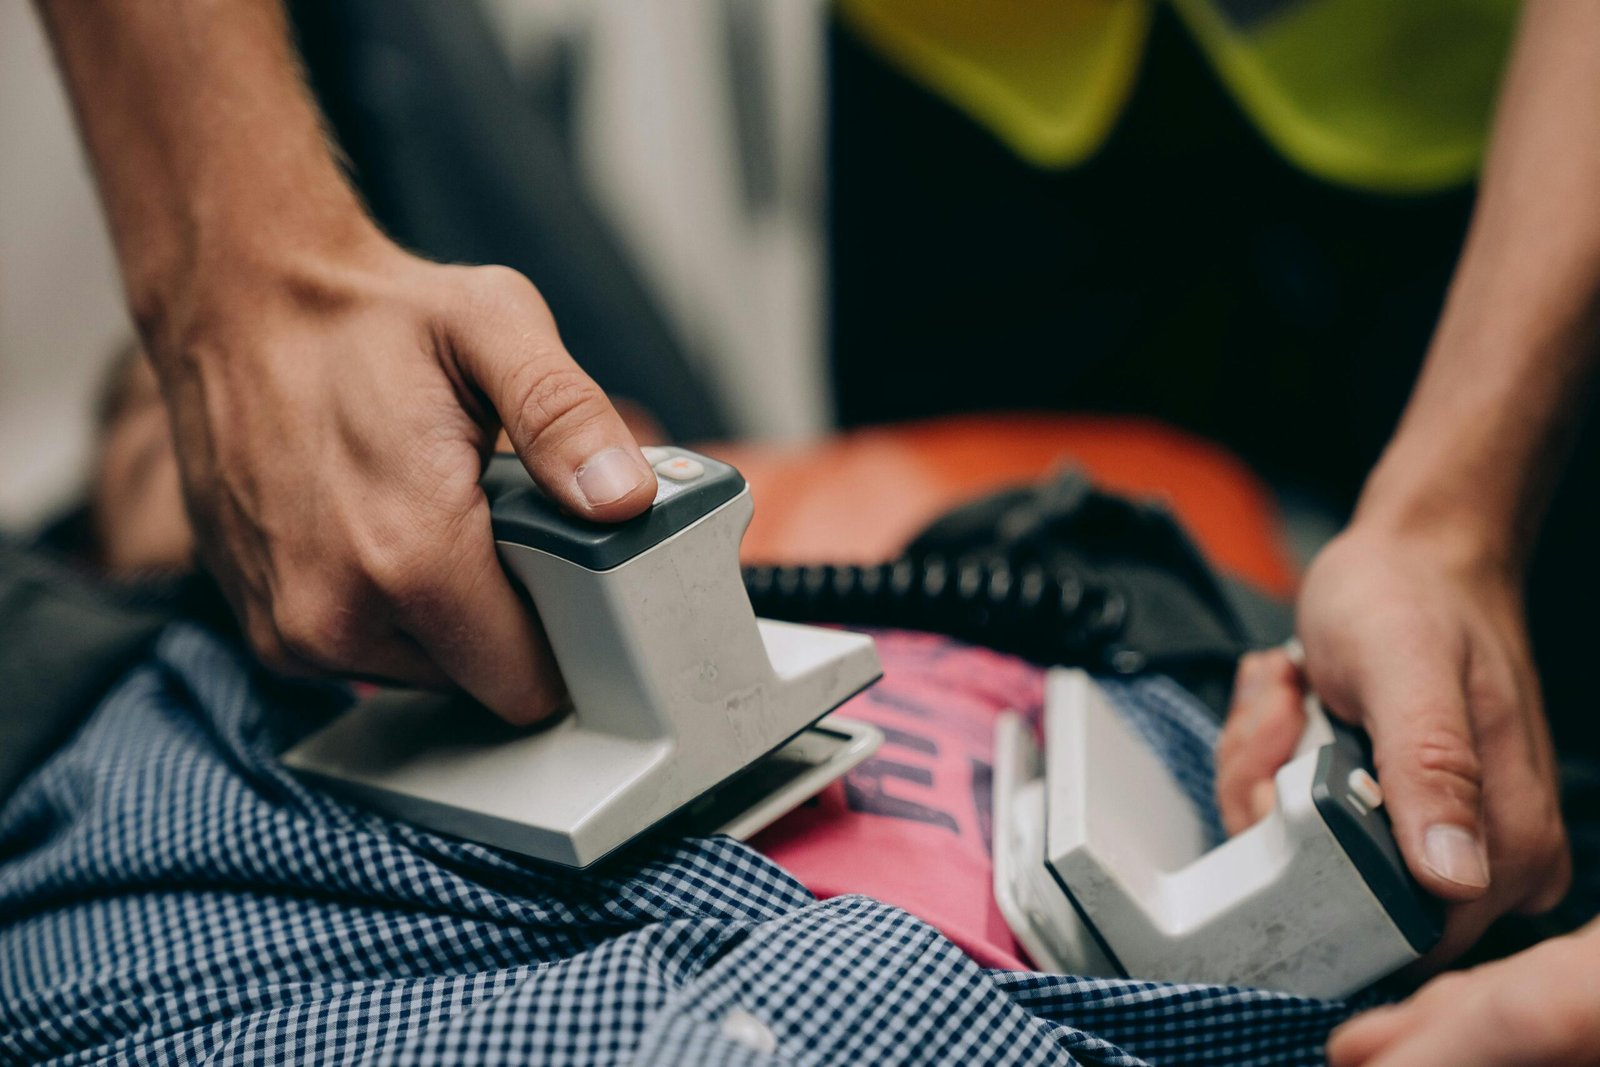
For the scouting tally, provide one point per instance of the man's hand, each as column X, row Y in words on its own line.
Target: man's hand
column 332, row 415
column 1426, row 649
column 332, row 398
column 1540, row 1008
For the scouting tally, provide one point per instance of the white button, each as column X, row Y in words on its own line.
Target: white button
column 654, row 454
column 1365, row 788
column 742, row 1027
column 680, row 469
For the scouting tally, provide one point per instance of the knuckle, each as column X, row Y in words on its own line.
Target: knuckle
column 392, row 572
column 409, row 575
column 1494, row 690
column 415, row 595
column 1449, row 765
column 551, row 398
column 497, row 283
column 315, row 628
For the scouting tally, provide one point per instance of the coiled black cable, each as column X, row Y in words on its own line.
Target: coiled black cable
column 1052, row 617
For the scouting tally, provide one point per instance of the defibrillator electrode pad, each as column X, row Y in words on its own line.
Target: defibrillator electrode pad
column 677, row 688
column 1104, row 866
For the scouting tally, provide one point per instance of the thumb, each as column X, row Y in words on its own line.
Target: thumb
column 1427, row 762
column 564, row 429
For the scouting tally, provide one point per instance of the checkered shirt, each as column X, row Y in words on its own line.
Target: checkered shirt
column 170, row 895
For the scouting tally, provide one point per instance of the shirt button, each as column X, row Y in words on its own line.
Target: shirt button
column 745, row 1029
column 680, row 469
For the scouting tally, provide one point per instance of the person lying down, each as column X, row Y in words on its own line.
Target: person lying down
column 172, row 895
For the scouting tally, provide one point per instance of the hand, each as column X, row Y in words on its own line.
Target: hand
column 1540, row 1008
column 136, row 495
column 332, row 414
column 1426, row 649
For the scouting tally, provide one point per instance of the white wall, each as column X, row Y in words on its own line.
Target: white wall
column 658, row 145
column 61, row 310
column 657, row 142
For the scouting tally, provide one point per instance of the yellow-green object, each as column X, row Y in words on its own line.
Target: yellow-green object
column 1388, row 95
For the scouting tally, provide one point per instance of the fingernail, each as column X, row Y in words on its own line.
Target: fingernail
column 1456, row 855
column 610, row 475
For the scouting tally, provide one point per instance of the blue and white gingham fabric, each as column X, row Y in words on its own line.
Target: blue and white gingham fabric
column 169, row 895
column 1179, row 727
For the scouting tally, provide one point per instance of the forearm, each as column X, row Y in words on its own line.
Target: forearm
column 1511, row 363
column 208, row 150
column 331, row 398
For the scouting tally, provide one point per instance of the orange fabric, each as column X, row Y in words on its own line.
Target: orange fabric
column 859, row 497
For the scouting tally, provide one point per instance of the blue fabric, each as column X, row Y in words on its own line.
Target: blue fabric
column 169, row 895
column 1179, row 727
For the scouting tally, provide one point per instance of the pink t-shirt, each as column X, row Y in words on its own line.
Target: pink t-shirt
column 911, row 826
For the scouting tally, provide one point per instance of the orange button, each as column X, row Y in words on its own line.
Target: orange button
column 680, row 469
column 1365, row 788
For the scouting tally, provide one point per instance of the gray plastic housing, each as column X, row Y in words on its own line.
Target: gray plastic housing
column 1104, row 867
column 675, row 686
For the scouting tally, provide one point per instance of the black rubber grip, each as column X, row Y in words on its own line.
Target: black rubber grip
column 1368, row 840
column 521, row 514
